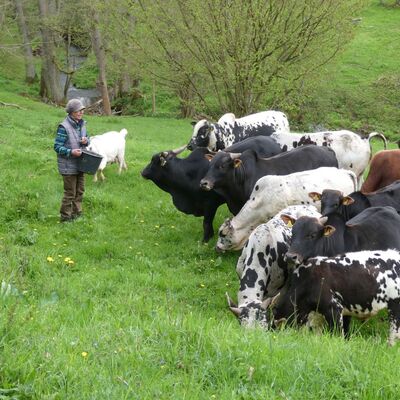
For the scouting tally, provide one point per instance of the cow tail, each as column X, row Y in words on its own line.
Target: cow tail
column 380, row 135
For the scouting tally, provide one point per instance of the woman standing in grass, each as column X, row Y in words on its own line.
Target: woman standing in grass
column 71, row 137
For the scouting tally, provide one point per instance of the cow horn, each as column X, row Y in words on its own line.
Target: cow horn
column 231, row 303
column 236, row 311
column 323, row 220
column 235, row 155
column 179, row 150
column 269, row 302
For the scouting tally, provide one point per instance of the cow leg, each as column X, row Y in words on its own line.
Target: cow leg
column 334, row 318
column 394, row 321
column 346, row 326
column 95, row 176
column 102, row 177
column 208, row 219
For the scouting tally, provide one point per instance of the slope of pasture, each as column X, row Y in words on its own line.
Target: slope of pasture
column 127, row 303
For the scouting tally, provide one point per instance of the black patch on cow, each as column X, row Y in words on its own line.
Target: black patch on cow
column 250, row 260
column 249, row 279
column 261, row 259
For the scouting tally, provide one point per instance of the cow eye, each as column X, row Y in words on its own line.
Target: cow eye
column 312, row 235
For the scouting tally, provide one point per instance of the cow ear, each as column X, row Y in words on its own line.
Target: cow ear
column 163, row 161
column 193, row 123
column 280, row 323
column 328, row 230
column 288, row 220
column 315, row 196
column 208, row 157
column 347, row 200
column 237, row 162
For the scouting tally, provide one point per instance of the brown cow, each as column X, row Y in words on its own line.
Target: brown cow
column 384, row 169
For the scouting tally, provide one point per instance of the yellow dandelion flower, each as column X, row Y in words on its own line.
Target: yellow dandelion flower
column 71, row 262
column 50, row 259
column 67, row 259
column 202, row 285
column 84, row 354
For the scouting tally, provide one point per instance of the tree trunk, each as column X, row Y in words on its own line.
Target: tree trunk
column 50, row 87
column 101, row 63
column 30, row 74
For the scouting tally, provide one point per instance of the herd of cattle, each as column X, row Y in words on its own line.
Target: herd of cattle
column 315, row 239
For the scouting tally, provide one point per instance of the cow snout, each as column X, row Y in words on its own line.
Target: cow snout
column 219, row 249
column 191, row 146
column 205, row 184
column 294, row 257
column 145, row 173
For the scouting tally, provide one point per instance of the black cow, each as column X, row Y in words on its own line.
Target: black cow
column 351, row 205
column 233, row 175
column 181, row 178
column 375, row 228
column 355, row 284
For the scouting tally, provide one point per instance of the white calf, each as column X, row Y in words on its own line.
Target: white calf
column 271, row 193
column 111, row 146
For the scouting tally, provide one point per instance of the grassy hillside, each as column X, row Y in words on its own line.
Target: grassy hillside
column 127, row 303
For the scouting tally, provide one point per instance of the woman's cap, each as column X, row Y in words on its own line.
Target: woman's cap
column 74, row 105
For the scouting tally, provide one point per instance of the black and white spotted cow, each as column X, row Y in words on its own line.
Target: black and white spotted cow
column 262, row 268
column 272, row 192
column 334, row 201
column 229, row 129
column 357, row 284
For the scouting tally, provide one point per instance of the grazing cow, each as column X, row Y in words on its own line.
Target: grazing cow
column 384, row 169
column 229, row 130
column 349, row 206
column 181, row 178
column 111, row 146
column 272, row 192
column 233, row 175
column 352, row 151
column 262, row 268
column 376, row 228
column 357, row 284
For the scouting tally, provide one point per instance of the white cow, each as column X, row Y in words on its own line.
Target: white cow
column 272, row 192
column 262, row 268
column 110, row 145
column 352, row 151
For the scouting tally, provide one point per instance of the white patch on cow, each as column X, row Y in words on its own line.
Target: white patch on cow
column 272, row 192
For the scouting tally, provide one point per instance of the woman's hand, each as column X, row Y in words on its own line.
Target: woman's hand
column 84, row 140
column 76, row 153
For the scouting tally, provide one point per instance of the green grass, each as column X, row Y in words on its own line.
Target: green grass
column 141, row 312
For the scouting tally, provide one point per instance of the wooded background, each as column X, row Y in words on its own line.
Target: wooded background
column 209, row 56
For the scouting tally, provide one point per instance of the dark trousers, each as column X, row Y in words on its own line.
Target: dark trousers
column 74, row 187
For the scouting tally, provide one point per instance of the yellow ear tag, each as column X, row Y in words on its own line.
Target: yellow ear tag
column 289, row 224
